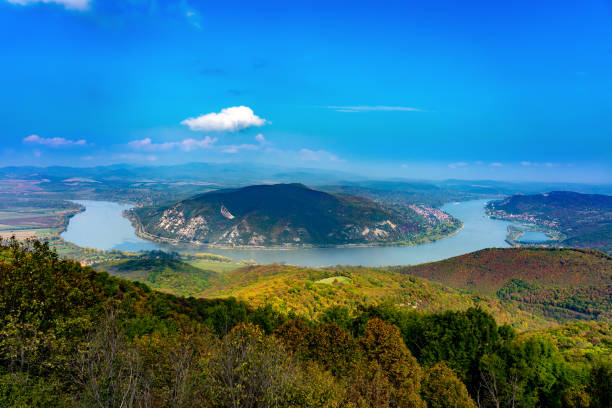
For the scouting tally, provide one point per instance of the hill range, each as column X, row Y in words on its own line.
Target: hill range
column 288, row 214
column 528, row 288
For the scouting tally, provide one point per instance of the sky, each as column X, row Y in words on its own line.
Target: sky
column 518, row 90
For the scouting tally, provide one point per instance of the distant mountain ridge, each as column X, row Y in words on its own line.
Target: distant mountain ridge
column 584, row 220
column 280, row 214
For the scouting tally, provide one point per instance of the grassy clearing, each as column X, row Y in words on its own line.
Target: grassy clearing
column 334, row 279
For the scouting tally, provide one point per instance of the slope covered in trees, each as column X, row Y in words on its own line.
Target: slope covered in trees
column 309, row 291
column 286, row 214
column 72, row 337
column 527, row 288
column 563, row 284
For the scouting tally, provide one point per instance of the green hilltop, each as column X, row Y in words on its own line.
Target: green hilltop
column 286, row 214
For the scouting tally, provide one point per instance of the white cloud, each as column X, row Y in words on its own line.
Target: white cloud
column 187, row 145
column 228, row 120
column 261, row 139
column 496, row 164
column 69, row 4
column 318, row 155
column 191, row 144
column 374, row 108
column 525, row 163
column 457, row 164
column 53, row 141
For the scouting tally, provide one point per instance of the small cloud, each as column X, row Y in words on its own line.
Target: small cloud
column 318, row 155
column 526, row 163
column 374, row 108
column 191, row 144
column 261, row 139
column 228, row 120
column 236, row 148
column 496, row 164
column 187, row 145
column 53, row 141
column 457, row 164
column 37, row 153
column 68, row 4
column 478, row 163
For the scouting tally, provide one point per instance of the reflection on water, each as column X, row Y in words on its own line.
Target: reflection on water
column 102, row 226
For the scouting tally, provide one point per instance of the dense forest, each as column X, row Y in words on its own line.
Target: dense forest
column 529, row 288
column 74, row 337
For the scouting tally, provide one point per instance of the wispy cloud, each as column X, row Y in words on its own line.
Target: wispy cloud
column 318, row 155
column 457, row 164
column 228, row 120
column 237, row 148
column 537, row 164
column 193, row 17
column 187, row 145
column 496, row 164
column 362, row 108
column 53, row 141
column 69, row 4
column 259, row 138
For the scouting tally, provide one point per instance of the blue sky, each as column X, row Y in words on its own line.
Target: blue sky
column 515, row 90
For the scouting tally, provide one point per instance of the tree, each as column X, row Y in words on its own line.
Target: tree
column 576, row 397
column 248, row 370
column 522, row 373
column 383, row 344
column 110, row 371
column 600, row 385
column 441, row 388
column 334, row 348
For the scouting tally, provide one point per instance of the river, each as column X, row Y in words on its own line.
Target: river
column 102, row 226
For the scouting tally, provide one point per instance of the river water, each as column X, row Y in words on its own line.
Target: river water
column 102, row 226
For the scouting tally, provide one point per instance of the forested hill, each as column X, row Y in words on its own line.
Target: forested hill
column 73, row 337
column 562, row 283
column 584, row 220
column 284, row 214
